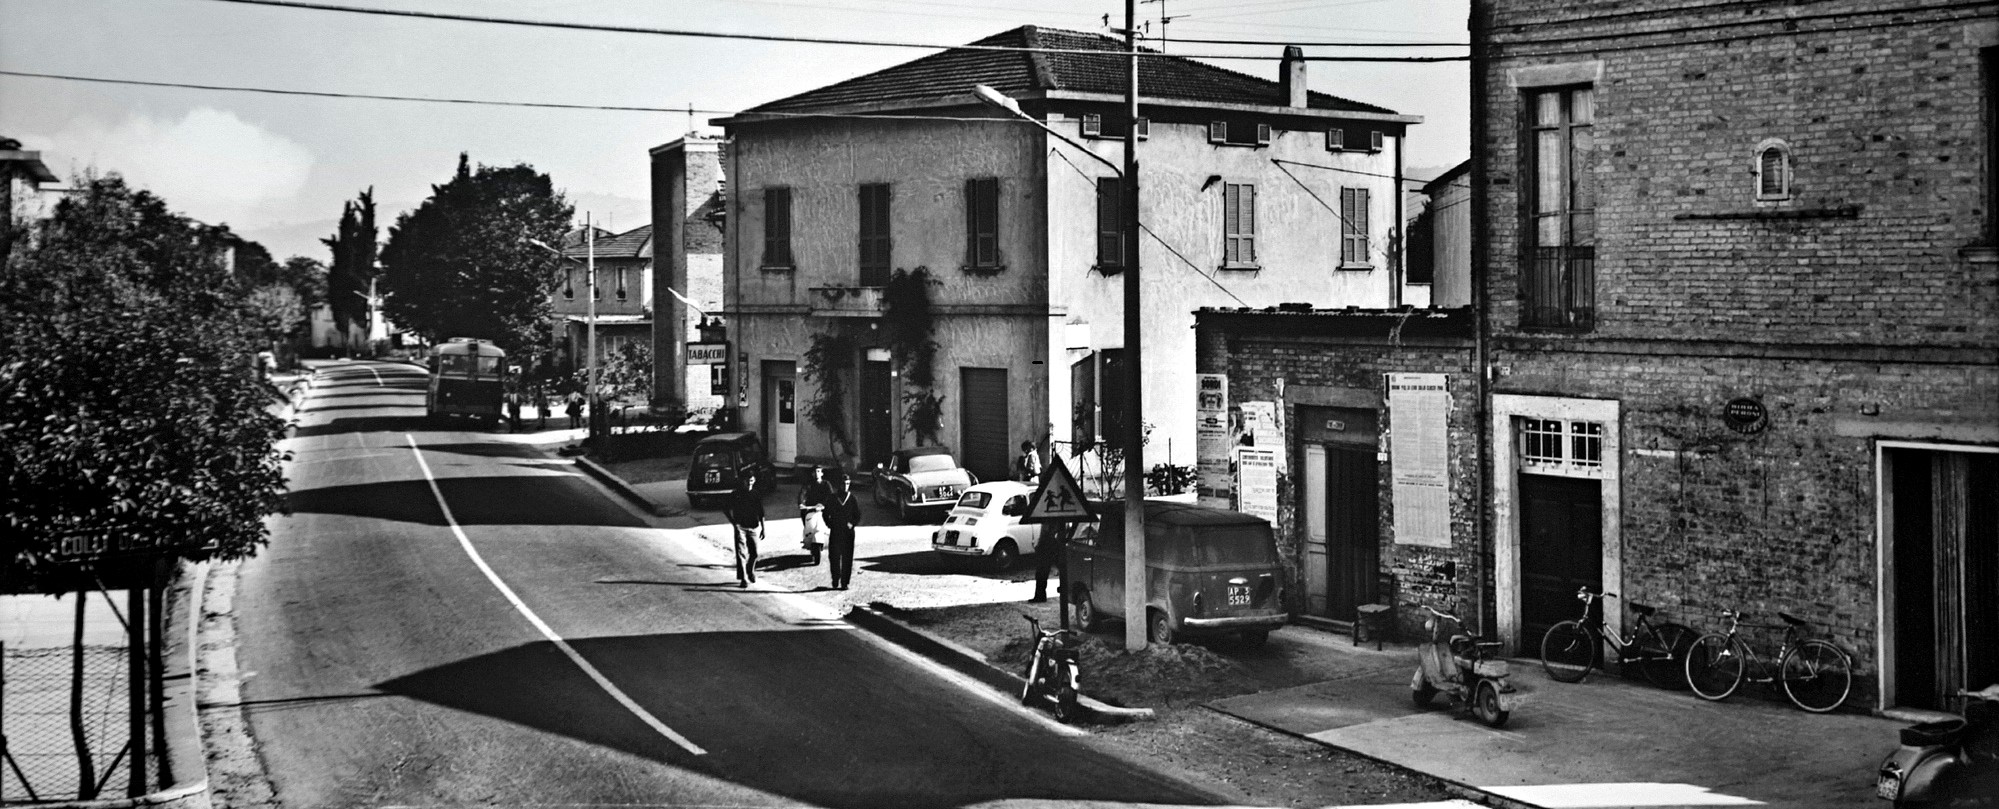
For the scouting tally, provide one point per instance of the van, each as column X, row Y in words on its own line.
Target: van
column 1209, row 572
column 719, row 463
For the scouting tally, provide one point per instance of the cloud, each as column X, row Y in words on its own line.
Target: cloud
column 209, row 164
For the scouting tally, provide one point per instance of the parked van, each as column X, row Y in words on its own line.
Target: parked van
column 719, row 463
column 1208, row 572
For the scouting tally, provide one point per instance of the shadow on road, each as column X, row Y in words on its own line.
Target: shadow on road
column 814, row 715
column 508, row 500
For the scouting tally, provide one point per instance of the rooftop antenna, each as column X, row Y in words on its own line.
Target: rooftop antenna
column 1163, row 21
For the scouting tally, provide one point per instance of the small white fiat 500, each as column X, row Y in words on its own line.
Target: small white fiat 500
column 986, row 524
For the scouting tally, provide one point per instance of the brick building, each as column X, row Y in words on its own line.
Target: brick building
column 688, row 214
column 1375, row 487
column 1741, row 312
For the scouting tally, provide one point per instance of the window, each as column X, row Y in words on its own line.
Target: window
column 874, row 234
column 1238, row 225
column 1374, row 140
column 1083, row 395
column 1113, row 398
column 1110, row 224
column 620, row 288
column 1093, row 125
column 1353, row 229
column 1336, row 139
column 569, row 284
column 1773, row 170
column 777, row 228
column 1558, row 444
column 1238, row 133
column 1558, row 278
column 982, row 223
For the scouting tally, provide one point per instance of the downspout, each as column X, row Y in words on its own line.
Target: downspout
column 1399, row 228
column 1480, row 202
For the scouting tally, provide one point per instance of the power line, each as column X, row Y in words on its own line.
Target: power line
column 877, row 43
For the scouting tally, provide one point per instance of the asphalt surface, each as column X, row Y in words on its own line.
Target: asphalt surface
column 451, row 617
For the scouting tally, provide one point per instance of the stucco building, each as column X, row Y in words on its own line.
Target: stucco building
column 1254, row 192
column 688, row 216
column 622, row 308
column 1742, row 312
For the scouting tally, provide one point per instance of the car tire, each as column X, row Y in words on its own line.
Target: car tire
column 1004, row 555
column 1158, row 627
column 880, row 501
column 1083, row 613
column 901, row 508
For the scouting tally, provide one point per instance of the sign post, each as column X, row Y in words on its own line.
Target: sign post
column 1058, row 500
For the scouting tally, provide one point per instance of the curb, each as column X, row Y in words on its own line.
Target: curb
column 625, row 490
column 1465, row 791
column 965, row 661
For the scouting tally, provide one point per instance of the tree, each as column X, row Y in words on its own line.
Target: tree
column 131, row 416
column 307, row 276
column 276, row 311
column 628, row 374
column 461, row 264
column 354, row 249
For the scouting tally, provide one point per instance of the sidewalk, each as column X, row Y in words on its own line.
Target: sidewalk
column 1603, row 742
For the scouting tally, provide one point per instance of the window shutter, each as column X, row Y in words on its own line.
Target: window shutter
column 777, row 227
column 971, row 223
column 1231, row 222
column 1218, row 131
column 1110, row 241
column 867, row 226
column 1247, row 200
column 982, row 222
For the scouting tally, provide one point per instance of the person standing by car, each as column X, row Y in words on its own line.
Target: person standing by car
column 746, row 513
column 811, row 512
column 842, row 514
column 1027, row 466
column 1048, row 556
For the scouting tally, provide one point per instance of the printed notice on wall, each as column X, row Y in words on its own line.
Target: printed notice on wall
column 1213, row 448
column 1260, row 459
column 1418, row 444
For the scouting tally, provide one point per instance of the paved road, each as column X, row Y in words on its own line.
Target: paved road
column 450, row 617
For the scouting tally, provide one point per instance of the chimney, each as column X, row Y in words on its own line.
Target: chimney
column 1291, row 76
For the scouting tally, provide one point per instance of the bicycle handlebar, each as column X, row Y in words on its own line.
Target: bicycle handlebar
column 1583, row 594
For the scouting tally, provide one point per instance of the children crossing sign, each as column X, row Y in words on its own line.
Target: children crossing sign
column 1058, row 498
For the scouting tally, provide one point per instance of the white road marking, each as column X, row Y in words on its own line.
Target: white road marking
column 546, row 631
column 1577, row 796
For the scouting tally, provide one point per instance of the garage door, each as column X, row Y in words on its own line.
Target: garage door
column 982, row 411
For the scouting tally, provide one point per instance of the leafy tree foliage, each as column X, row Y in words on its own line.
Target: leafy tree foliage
column 276, row 310
column 131, row 417
column 305, row 275
column 627, row 376
column 354, row 248
column 461, row 264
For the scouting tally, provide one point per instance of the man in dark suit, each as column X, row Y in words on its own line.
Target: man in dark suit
column 746, row 513
column 842, row 514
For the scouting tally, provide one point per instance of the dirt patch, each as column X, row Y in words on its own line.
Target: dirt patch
column 1264, row 767
column 649, row 470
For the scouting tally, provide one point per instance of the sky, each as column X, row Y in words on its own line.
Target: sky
column 277, row 168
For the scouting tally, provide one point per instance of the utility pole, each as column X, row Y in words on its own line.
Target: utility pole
column 594, row 397
column 1136, row 621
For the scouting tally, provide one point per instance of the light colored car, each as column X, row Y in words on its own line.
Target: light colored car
column 920, row 479
column 985, row 524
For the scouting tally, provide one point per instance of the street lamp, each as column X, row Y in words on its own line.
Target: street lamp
column 1135, row 624
column 590, row 286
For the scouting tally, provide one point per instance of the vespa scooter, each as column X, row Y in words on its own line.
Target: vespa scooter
column 1452, row 662
column 1950, row 763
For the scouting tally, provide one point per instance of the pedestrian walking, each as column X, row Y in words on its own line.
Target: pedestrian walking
column 811, row 512
column 514, row 407
column 1048, row 553
column 746, row 513
column 541, row 407
column 842, row 514
column 1027, row 465
column 573, row 405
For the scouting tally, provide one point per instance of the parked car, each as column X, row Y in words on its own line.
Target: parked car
column 1208, row 571
column 985, row 524
column 719, row 463
column 920, row 479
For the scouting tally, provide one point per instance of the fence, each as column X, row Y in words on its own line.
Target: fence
column 41, row 761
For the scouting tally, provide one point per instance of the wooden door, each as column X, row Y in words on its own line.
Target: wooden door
column 1561, row 525
column 982, row 406
column 1353, row 529
column 877, row 418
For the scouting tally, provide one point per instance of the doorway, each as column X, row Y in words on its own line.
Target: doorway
column 780, row 414
column 982, row 421
column 1561, row 549
column 1941, row 538
column 1342, row 510
column 877, row 416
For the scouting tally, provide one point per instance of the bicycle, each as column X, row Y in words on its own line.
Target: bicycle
column 1569, row 650
column 1815, row 675
column 1052, row 669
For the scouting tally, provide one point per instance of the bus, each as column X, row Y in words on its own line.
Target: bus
column 468, row 377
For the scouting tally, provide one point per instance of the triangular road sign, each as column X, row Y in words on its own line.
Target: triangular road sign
column 1058, row 498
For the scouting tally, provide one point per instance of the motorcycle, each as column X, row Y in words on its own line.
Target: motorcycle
column 1948, row 763
column 1052, row 671
column 1463, row 666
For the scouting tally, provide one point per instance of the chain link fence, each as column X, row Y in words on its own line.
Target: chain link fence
column 42, row 762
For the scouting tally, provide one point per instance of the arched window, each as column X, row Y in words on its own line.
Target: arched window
column 1773, row 170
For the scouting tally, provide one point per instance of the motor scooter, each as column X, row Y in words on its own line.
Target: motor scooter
column 1948, row 763
column 1454, row 663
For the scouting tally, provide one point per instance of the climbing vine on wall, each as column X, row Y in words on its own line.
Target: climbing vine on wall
column 910, row 325
column 826, row 364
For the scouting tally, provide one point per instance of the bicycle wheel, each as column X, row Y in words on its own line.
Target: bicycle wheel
column 1715, row 666
column 1817, row 676
column 1568, row 652
column 1662, row 654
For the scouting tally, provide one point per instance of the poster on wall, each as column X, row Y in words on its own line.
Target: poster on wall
column 1260, row 459
column 1419, row 458
column 1214, row 483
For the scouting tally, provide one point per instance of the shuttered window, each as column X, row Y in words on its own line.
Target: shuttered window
column 777, row 227
column 982, row 222
column 1353, row 226
column 1238, row 225
column 875, row 243
column 1110, row 236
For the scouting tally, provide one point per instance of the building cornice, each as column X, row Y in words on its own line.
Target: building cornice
column 1829, row 352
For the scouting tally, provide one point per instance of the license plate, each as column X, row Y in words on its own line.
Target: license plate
column 714, row 477
column 1888, row 786
column 1238, row 596
column 950, row 537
